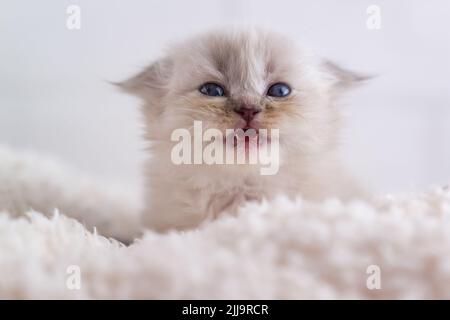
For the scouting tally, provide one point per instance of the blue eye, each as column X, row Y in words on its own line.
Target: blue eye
column 212, row 90
column 279, row 90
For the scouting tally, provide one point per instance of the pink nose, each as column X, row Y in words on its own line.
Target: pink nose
column 247, row 113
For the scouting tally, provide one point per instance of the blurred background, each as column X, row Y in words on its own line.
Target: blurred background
column 55, row 98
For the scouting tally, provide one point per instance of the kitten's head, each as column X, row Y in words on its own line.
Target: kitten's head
column 251, row 79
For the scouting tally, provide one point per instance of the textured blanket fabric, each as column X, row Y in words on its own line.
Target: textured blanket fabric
column 281, row 249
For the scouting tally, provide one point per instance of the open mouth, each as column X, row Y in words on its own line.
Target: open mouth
column 247, row 137
column 246, row 129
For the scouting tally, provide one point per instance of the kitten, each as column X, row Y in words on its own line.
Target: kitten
column 240, row 79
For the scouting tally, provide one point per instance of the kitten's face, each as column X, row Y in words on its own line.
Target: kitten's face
column 218, row 77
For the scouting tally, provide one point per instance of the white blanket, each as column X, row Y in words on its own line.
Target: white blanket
column 392, row 247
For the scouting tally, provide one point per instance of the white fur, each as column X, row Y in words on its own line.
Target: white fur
column 280, row 249
column 28, row 182
column 246, row 63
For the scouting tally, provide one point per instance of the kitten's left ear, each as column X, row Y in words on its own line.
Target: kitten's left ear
column 150, row 82
column 343, row 78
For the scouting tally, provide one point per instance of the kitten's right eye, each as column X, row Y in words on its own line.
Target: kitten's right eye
column 212, row 90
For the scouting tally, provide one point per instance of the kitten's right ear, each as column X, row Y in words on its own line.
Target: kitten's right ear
column 152, row 81
column 344, row 79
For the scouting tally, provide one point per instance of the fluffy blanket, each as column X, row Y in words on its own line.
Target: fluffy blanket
column 59, row 231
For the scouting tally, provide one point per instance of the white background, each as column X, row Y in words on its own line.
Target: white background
column 55, row 98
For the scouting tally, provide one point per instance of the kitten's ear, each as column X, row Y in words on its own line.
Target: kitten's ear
column 343, row 78
column 152, row 81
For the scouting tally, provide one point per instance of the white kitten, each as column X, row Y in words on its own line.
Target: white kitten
column 246, row 79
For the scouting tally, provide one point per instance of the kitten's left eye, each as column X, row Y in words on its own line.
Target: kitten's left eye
column 212, row 90
column 279, row 90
